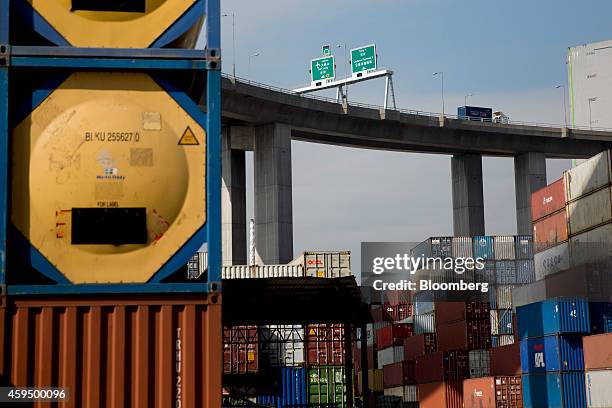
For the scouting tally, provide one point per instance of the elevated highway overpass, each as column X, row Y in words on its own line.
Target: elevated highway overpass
column 264, row 119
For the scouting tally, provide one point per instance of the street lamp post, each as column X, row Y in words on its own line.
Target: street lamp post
column 465, row 98
column 441, row 74
column 562, row 87
column 250, row 58
column 233, row 15
column 590, row 114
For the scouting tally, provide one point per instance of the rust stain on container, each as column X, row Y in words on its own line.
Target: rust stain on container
column 115, row 351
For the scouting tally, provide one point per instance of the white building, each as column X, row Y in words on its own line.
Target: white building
column 590, row 85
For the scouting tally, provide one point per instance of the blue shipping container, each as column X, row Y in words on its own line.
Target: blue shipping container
column 552, row 353
column 505, row 321
column 554, row 390
column 487, row 274
column 475, row 113
column 291, row 389
column 434, row 246
column 553, row 316
column 600, row 314
column 525, row 271
column 483, row 247
column 505, row 272
column 524, row 247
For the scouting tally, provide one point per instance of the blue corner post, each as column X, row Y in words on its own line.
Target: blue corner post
column 4, row 134
column 213, row 100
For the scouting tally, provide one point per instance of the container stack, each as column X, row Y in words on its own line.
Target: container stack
column 598, row 366
column 552, row 360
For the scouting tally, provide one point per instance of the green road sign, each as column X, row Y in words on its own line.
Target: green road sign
column 363, row 59
column 322, row 69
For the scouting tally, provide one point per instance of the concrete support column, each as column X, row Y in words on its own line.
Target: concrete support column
column 273, row 195
column 468, row 201
column 529, row 176
column 233, row 202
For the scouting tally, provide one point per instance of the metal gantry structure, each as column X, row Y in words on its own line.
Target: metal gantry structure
column 190, row 77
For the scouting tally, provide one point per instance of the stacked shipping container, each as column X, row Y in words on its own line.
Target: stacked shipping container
column 598, row 366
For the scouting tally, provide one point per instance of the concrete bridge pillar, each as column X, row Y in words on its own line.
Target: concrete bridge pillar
column 468, row 201
column 273, row 195
column 529, row 176
column 233, row 202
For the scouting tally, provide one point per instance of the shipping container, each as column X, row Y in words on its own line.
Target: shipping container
column 462, row 247
column 502, row 340
column 505, row 322
column 464, row 335
column 327, row 385
column 114, row 350
column 530, row 293
column 475, row 113
column 589, row 176
column 553, row 316
column 554, row 390
column 552, row 353
column 591, row 246
column 419, row 345
column 525, row 271
column 389, row 401
column 479, row 363
column 375, row 381
column 448, row 312
column 504, row 247
column 598, row 351
column 399, row 374
column 282, row 345
column 590, row 211
column 289, row 389
column 448, row 394
column 425, row 323
column 552, row 260
column 598, row 387
column 442, row 365
column 68, row 209
column 325, row 344
column 393, row 334
column 524, row 247
column 390, row 355
column 503, row 296
column 492, row 392
column 240, row 350
column 505, row 360
column 483, row 247
column 434, row 247
column 262, row 271
column 505, row 272
column 548, row 200
column 411, row 393
column 325, row 264
column 550, row 231
column 398, row 312
column 487, row 274
column 197, row 265
column 600, row 316
column 494, row 315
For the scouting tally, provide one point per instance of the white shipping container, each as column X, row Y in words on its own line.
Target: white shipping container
column 410, row 393
column 551, row 261
column 283, row 345
column 590, row 211
column 591, row 246
column 325, row 264
column 505, row 340
column 425, row 323
column 394, row 392
column 262, row 271
column 588, row 176
column 504, row 247
column 494, row 322
column 390, row 355
column 503, row 296
column 462, row 247
column 479, row 363
column 598, row 388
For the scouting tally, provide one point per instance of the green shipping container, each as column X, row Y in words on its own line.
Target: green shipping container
column 327, row 385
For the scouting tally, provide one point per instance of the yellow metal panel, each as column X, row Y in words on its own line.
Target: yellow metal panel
column 108, row 140
column 111, row 29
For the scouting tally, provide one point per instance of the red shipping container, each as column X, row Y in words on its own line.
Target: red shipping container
column 464, row 335
column 240, row 350
column 380, row 314
column 393, row 335
column 442, row 365
column 396, row 297
column 447, row 394
column 399, row 374
column 548, row 200
column 371, row 354
column 325, row 344
column 493, row 392
column 448, row 312
column 398, row 312
column 597, row 351
column 419, row 345
column 505, row 360
column 550, row 231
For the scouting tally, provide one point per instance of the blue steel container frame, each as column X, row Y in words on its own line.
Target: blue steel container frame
column 146, row 61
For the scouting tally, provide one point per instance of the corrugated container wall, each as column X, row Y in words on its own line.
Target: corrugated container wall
column 322, row 264
column 262, row 271
column 598, row 351
column 554, row 389
column 590, row 211
column 483, row 247
column 553, row 316
column 448, row 394
column 326, row 386
column 551, row 261
column 492, row 392
column 425, row 323
column 506, row 360
column 598, row 389
column 290, row 388
column 504, row 247
column 524, row 247
column 548, row 200
column 462, row 247
column 550, row 231
column 111, row 350
column 588, row 176
column 419, row 345
column 591, row 246
column 552, row 353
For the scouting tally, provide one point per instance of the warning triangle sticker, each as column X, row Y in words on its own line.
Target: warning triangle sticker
column 188, row 138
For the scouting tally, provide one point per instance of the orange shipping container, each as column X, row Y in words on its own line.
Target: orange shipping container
column 548, row 200
column 447, row 394
column 493, row 392
column 114, row 351
column 550, row 231
column 597, row 351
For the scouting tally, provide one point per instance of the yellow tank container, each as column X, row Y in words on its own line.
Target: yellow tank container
column 108, row 177
column 121, row 23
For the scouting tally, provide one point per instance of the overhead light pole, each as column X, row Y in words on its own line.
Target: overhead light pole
column 233, row 16
column 441, row 75
column 254, row 55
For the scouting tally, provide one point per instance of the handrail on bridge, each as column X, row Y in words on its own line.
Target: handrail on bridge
column 409, row 111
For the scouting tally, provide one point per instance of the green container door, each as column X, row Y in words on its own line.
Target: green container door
column 327, row 385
